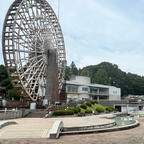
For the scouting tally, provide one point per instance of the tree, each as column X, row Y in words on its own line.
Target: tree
column 85, row 72
column 12, row 94
column 74, row 70
column 68, row 73
column 101, row 77
column 4, row 79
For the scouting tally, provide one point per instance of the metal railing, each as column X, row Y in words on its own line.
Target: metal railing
column 10, row 114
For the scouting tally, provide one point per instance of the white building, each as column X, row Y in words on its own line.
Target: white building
column 81, row 88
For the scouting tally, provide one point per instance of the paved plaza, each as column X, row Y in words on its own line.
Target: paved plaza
column 131, row 136
column 39, row 127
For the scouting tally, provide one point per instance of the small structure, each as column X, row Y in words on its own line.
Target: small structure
column 55, row 130
column 135, row 98
column 81, row 88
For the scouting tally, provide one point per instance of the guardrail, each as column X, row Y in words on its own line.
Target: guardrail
column 10, row 114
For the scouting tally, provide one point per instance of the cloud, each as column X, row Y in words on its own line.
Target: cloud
column 100, row 30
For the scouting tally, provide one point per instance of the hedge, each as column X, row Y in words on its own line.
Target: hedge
column 88, row 104
column 100, row 108
column 110, row 109
column 63, row 112
column 95, row 102
column 88, row 111
column 92, row 102
column 84, row 106
column 75, row 109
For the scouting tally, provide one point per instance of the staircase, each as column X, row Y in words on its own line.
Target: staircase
column 34, row 114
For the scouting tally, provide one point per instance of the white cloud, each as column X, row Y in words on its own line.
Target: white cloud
column 100, row 30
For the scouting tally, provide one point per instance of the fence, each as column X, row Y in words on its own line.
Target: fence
column 10, row 114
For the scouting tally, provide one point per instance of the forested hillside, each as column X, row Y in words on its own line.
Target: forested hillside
column 109, row 74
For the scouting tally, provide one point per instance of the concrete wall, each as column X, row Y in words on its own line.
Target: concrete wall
column 114, row 94
column 80, row 79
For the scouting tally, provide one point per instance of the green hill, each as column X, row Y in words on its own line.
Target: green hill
column 109, row 74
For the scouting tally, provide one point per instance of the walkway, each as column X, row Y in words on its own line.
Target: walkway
column 131, row 136
column 39, row 127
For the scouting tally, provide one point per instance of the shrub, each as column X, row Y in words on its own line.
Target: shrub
column 110, row 109
column 88, row 104
column 76, row 109
column 88, row 111
column 95, row 102
column 92, row 102
column 84, row 106
column 69, row 112
column 12, row 93
column 63, row 112
column 100, row 108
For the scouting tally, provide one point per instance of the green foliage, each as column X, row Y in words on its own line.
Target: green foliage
column 84, row 106
column 88, row 104
column 12, row 93
column 71, row 70
column 6, row 84
column 93, row 102
column 68, row 73
column 74, row 69
column 75, row 109
column 85, row 72
column 63, row 112
column 101, row 77
column 100, row 108
column 3, row 73
column 88, row 111
column 110, row 109
column 4, row 80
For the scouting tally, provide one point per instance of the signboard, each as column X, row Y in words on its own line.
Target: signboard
column 72, row 95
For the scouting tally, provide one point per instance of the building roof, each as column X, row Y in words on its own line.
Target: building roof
column 91, row 85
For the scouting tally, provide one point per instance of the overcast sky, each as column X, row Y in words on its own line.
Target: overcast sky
column 100, row 30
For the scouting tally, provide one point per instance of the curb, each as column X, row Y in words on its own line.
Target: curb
column 119, row 128
column 82, row 128
column 4, row 124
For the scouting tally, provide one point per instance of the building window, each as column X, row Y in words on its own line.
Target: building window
column 84, row 89
column 72, row 89
column 69, row 88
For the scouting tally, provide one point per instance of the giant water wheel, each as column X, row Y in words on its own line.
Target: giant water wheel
column 33, row 50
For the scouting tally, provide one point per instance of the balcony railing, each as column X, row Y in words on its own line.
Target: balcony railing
column 92, row 93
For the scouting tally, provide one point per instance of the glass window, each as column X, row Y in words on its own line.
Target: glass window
column 84, row 89
column 73, row 89
column 69, row 88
